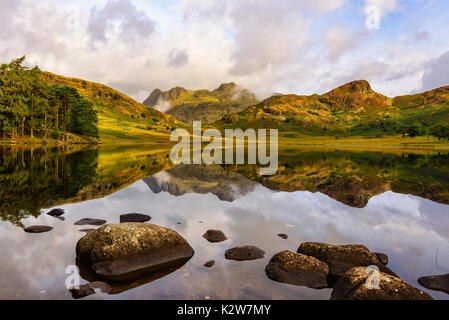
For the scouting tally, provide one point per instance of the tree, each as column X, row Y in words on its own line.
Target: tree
column 28, row 105
column 83, row 118
column 441, row 131
column 414, row 130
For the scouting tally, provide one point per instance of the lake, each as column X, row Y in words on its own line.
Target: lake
column 392, row 201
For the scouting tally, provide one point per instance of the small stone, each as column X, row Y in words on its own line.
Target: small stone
column 382, row 257
column 82, row 291
column 283, row 236
column 134, row 217
column 214, row 236
column 209, row 264
column 244, row 253
column 38, row 229
column 88, row 221
column 438, row 283
column 56, row 212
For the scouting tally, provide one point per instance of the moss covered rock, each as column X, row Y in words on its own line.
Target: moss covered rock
column 122, row 252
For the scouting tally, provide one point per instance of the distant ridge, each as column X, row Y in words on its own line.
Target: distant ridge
column 207, row 106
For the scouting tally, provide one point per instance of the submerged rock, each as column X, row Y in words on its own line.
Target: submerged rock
column 382, row 257
column 123, row 252
column 363, row 283
column 86, row 230
column 283, row 236
column 214, row 236
column 298, row 269
column 88, row 221
column 38, row 229
column 209, row 264
column 438, row 283
column 244, row 253
column 81, row 291
column 56, row 212
column 341, row 258
column 134, row 217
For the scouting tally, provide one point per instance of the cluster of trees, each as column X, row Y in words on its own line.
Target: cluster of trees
column 440, row 131
column 29, row 106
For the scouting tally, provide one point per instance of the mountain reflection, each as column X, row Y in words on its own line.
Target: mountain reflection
column 32, row 179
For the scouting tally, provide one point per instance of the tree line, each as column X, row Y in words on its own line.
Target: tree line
column 440, row 131
column 29, row 106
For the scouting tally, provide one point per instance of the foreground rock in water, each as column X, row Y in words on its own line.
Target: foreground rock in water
column 123, row 252
column 38, row 229
column 214, row 236
column 342, row 258
column 88, row 221
column 56, row 212
column 298, row 269
column 367, row 284
column 438, row 283
column 134, row 217
column 244, row 253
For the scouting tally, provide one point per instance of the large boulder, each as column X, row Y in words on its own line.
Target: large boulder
column 298, row 269
column 438, row 283
column 341, row 258
column 363, row 283
column 127, row 251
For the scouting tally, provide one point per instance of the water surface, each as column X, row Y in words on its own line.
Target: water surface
column 393, row 201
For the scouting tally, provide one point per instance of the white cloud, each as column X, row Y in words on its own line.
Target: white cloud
column 122, row 18
column 178, row 58
column 437, row 73
column 340, row 39
column 290, row 47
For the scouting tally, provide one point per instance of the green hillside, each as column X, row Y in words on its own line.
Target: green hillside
column 207, row 106
column 121, row 118
column 353, row 109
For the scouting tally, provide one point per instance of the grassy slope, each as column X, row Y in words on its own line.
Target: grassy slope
column 204, row 105
column 353, row 109
column 121, row 119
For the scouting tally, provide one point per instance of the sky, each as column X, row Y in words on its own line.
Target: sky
column 288, row 46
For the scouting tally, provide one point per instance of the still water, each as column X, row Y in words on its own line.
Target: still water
column 391, row 201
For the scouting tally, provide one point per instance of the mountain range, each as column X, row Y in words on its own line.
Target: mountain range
column 351, row 109
column 207, row 106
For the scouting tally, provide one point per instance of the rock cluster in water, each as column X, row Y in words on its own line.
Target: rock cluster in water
column 353, row 271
